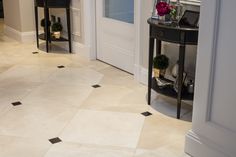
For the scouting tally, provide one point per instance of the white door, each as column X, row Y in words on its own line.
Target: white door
column 116, row 33
column 214, row 126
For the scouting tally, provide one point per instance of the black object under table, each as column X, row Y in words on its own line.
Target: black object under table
column 47, row 4
column 175, row 34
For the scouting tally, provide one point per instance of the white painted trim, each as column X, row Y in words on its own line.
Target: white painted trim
column 89, row 25
column 77, row 48
column 24, row 37
column 138, row 55
column 189, row 2
column 198, row 146
column 141, row 74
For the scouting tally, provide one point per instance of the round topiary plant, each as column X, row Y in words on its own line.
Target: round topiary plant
column 161, row 62
column 42, row 23
column 57, row 27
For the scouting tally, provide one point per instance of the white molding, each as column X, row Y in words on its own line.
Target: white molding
column 141, row 74
column 24, row 37
column 198, row 146
column 77, row 48
column 189, row 2
column 138, row 55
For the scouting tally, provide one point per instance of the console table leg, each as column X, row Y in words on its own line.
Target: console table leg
column 46, row 17
column 151, row 49
column 69, row 28
column 36, row 25
column 180, row 78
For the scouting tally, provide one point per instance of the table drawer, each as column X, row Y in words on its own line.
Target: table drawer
column 174, row 35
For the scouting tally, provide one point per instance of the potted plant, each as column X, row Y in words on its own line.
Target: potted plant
column 42, row 23
column 160, row 64
column 56, row 29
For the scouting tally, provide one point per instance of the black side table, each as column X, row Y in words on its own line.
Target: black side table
column 174, row 34
column 47, row 4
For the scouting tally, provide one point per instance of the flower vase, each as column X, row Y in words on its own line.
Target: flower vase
column 163, row 11
column 177, row 11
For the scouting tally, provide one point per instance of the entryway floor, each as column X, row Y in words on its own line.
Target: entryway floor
column 62, row 105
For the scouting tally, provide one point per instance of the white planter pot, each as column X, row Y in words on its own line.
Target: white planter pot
column 57, row 35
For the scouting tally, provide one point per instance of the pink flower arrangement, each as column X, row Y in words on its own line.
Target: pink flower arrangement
column 163, row 8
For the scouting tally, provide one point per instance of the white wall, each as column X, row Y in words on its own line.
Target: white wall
column 19, row 20
column 214, row 128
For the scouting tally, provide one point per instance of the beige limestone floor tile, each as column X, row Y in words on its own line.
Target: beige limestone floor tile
column 46, row 61
column 12, row 90
column 75, row 150
column 162, row 152
column 76, row 76
column 4, row 107
column 114, row 76
column 41, row 122
column 29, row 73
column 160, row 130
column 54, row 94
column 117, row 99
column 104, row 128
column 4, row 67
column 22, row 147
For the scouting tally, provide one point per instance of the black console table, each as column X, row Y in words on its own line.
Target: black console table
column 47, row 4
column 175, row 34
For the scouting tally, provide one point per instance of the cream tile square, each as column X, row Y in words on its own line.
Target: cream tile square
column 42, row 122
column 54, row 94
column 117, row 98
column 47, row 60
column 156, row 153
column 22, row 147
column 114, row 76
column 159, row 130
column 104, row 128
column 4, row 107
column 13, row 90
column 76, row 76
column 29, row 73
column 75, row 150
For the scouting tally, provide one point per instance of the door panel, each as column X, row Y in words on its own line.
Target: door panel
column 116, row 33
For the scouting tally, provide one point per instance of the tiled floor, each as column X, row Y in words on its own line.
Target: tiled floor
column 91, row 122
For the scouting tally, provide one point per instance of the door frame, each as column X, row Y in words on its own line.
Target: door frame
column 89, row 19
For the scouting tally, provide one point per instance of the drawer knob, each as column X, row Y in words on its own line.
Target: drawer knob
column 160, row 33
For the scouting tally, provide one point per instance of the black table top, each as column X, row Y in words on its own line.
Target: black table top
column 172, row 25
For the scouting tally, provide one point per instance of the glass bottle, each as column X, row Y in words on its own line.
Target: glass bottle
column 179, row 8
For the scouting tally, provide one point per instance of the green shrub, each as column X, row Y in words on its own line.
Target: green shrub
column 161, row 62
column 57, row 27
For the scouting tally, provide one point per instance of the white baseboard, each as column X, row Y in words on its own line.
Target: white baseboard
column 197, row 146
column 77, row 48
column 141, row 74
column 24, row 37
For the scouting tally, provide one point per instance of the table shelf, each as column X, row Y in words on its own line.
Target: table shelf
column 170, row 91
column 61, row 39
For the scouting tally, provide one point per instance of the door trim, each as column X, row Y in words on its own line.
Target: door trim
column 89, row 18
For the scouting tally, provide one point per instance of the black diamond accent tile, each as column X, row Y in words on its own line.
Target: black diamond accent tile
column 16, row 103
column 61, row 66
column 146, row 114
column 35, row 52
column 96, row 86
column 55, row 140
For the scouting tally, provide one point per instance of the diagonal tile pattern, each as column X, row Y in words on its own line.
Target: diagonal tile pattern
column 98, row 122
